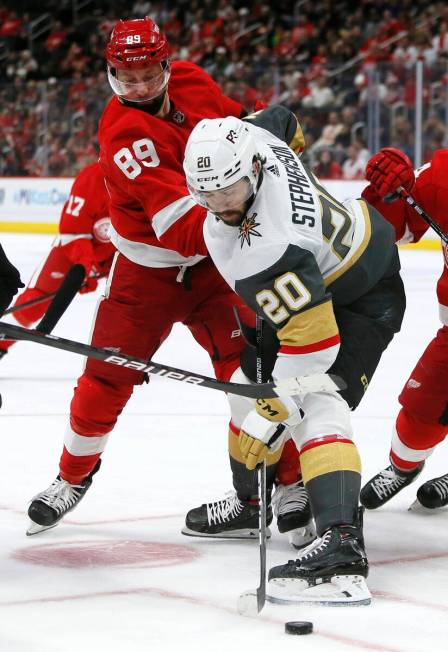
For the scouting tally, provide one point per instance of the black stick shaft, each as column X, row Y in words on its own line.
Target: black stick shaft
column 423, row 214
column 68, row 289
column 248, row 333
column 10, row 332
column 261, row 472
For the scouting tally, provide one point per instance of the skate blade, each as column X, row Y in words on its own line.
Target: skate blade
column 302, row 536
column 340, row 591
column 35, row 528
column 236, row 534
column 418, row 508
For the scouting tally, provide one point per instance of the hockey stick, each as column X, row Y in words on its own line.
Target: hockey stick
column 35, row 302
column 62, row 298
column 286, row 387
column 31, row 302
column 252, row 602
column 423, row 214
column 249, row 334
column 67, row 291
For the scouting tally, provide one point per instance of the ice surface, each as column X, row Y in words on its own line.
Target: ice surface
column 118, row 575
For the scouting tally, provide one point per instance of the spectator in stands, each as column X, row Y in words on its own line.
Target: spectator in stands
column 344, row 136
column 141, row 8
column 245, row 43
column 435, row 135
column 12, row 29
column 56, row 37
column 354, row 166
column 327, row 168
column 370, row 87
column 402, row 136
column 394, row 90
column 363, row 152
column 330, row 131
column 440, row 40
column 321, row 95
column 23, row 66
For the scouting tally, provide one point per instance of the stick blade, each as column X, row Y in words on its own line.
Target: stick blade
column 248, row 604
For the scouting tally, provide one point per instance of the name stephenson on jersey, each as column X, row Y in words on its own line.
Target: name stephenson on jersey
column 298, row 252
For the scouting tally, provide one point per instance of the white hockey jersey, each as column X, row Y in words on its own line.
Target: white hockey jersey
column 298, row 252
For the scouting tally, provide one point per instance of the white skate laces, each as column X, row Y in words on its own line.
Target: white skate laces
column 441, row 486
column 387, row 483
column 314, row 549
column 289, row 498
column 60, row 495
column 224, row 510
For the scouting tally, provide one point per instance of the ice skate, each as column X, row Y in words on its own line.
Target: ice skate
column 331, row 571
column 49, row 507
column 293, row 512
column 229, row 518
column 385, row 485
column 433, row 494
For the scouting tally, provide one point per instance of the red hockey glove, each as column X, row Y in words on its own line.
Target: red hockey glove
column 80, row 251
column 90, row 284
column 389, row 169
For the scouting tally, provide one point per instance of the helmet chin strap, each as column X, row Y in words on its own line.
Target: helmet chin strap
column 151, row 106
column 251, row 199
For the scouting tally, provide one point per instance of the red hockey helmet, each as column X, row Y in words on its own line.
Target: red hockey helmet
column 134, row 46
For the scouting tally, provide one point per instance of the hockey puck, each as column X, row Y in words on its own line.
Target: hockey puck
column 299, row 627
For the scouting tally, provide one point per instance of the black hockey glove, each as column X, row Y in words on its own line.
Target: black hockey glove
column 9, row 281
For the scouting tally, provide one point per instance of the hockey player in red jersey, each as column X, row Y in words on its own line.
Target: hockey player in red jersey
column 83, row 238
column 422, row 422
column 161, row 274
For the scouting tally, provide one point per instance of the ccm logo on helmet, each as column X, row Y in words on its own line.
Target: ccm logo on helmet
column 136, row 58
column 207, row 178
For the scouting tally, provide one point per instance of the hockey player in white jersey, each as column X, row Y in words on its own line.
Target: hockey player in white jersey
column 325, row 277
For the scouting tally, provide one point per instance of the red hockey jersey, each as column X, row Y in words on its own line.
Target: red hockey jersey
column 431, row 192
column 155, row 222
column 86, row 214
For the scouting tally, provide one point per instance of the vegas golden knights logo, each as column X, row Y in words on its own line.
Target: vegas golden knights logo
column 248, row 228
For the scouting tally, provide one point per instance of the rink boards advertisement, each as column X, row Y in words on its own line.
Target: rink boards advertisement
column 34, row 205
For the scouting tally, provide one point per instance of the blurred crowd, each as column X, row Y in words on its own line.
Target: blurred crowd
column 335, row 64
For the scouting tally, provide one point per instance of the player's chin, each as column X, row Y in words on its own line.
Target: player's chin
column 232, row 218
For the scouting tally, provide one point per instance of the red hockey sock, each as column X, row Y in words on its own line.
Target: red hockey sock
column 414, row 440
column 74, row 468
column 288, row 469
